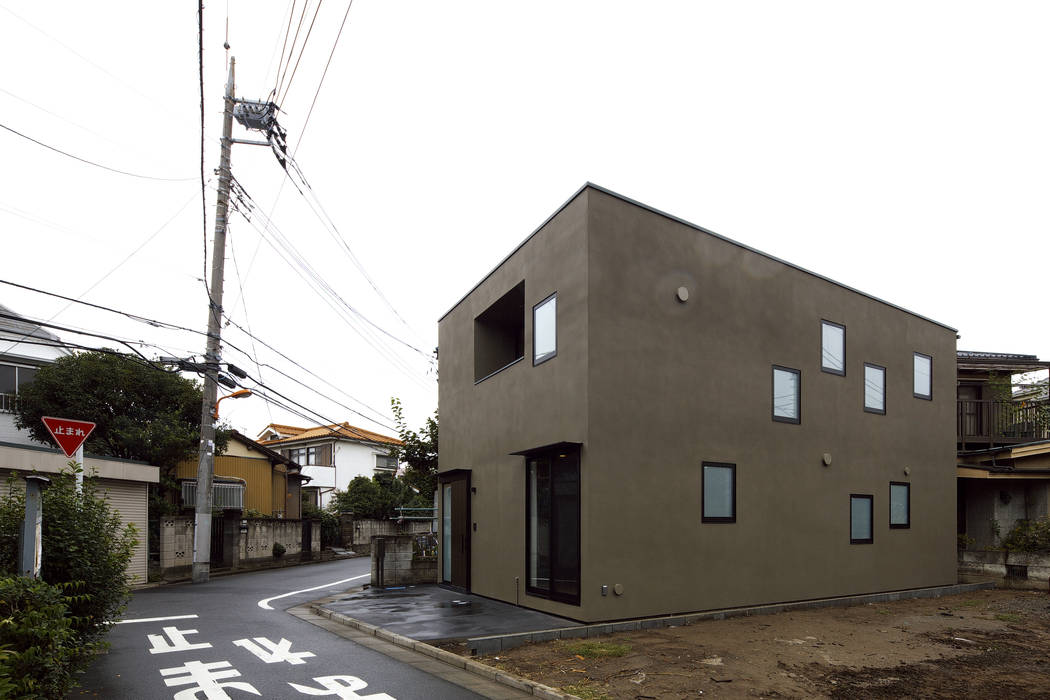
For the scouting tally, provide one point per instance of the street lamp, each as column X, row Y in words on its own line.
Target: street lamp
column 239, row 394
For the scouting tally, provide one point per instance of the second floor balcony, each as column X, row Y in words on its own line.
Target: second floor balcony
column 990, row 422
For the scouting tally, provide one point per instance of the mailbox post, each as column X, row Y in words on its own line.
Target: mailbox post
column 31, row 526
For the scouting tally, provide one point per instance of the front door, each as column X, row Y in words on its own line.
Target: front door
column 455, row 529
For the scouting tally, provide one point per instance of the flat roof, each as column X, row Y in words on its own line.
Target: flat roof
column 599, row 188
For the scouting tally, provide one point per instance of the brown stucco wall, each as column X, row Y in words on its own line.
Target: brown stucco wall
column 653, row 387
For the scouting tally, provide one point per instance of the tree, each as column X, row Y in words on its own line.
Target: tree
column 377, row 498
column 419, row 452
column 140, row 411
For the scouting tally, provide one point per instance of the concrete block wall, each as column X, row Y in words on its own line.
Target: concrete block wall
column 253, row 546
column 399, row 566
column 357, row 533
column 176, row 542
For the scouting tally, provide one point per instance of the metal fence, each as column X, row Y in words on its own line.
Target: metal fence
column 425, row 545
column 225, row 496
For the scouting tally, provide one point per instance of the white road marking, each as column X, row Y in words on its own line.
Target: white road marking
column 178, row 641
column 155, row 619
column 265, row 603
column 279, row 651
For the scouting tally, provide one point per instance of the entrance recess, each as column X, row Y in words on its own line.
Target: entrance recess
column 455, row 528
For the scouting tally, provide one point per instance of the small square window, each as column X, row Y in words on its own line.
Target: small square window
column 832, row 348
column 718, row 493
column 787, row 392
column 874, row 388
column 544, row 330
column 900, row 504
column 923, row 382
column 860, row 518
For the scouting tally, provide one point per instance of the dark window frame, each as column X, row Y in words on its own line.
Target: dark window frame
column 553, row 529
column 551, row 355
column 798, row 397
column 704, row 518
column 925, row 397
column 867, row 409
column 907, row 508
column 871, row 518
column 831, row 370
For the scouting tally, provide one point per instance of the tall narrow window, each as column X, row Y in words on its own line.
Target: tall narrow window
column 544, row 330
column 552, row 525
column 874, row 388
column 718, row 493
column 923, row 376
column 900, row 504
column 832, row 348
column 860, row 515
column 787, row 391
column 446, row 533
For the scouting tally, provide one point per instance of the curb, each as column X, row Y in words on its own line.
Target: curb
column 475, row 667
column 496, row 643
column 493, row 644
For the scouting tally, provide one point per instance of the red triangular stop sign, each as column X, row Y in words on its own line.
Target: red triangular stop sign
column 68, row 433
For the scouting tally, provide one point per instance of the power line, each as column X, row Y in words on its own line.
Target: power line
column 44, row 324
column 302, row 16
column 321, row 82
column 302, row 50
column 91, row 162
column 162, row 324
column 327, row 294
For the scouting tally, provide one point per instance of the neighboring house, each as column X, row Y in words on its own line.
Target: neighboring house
column 332, row 455
column 640, row 417
column 24, row 347
column 248, row 476
column 1003, row 441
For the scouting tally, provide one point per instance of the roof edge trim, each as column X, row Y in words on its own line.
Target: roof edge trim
column 672, row 217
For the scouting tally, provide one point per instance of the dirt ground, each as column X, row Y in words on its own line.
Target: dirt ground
column 987, row 644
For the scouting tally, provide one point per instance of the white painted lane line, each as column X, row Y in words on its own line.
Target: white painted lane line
column 155, row 619
column 265, row 603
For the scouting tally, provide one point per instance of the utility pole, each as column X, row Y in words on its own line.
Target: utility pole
column 212, row 352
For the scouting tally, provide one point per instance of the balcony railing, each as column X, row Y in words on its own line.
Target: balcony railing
column 1001, row 422
column 8, row 403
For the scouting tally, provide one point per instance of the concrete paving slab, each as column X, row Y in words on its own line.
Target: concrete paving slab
column 432, row 613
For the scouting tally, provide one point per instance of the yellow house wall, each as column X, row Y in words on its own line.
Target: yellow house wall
column 256, row 473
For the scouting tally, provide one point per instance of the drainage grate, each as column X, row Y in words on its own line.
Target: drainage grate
column 1016, row 571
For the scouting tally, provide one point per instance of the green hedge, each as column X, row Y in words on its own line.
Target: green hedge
column 39, row 649
column 52, row 626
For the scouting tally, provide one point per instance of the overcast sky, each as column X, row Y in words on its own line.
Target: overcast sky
column 901, row 148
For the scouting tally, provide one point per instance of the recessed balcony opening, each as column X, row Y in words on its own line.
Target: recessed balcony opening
column 499, row 334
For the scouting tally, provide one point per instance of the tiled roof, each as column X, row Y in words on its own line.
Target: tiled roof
column 339, row 430
column 282, row 429
column 974, row 355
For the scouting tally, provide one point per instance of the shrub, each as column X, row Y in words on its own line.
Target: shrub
column 39, row 651
column 278, row 550
column 1029, row 536
column 83, row 543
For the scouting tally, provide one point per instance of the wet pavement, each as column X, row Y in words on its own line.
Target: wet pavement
column 431, row 613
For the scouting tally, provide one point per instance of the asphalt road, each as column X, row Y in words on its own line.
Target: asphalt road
column 229, row 645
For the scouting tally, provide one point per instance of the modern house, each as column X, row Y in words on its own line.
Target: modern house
column 1003, row 427
column 24, row 348
column 248, row 476
column 642, row 417
column 331, row 455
